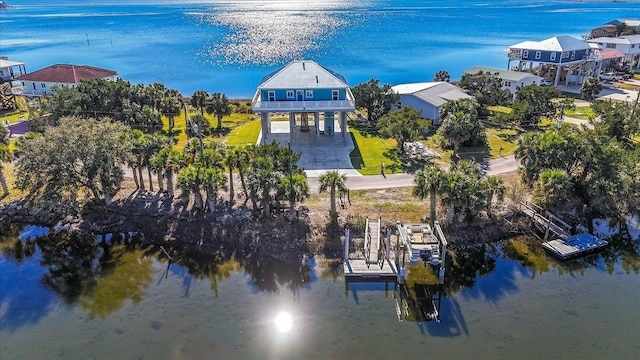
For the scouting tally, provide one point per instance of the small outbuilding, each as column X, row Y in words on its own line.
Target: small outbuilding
column 427, row 97
column 511, row 80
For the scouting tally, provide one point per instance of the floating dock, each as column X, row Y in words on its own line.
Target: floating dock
column 355, row 270
column 574, row 246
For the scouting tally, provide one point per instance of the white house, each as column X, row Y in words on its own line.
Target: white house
column 428, row 97
column 511, row 80
column 40, row 82
column 9, row 70
column 629, row 45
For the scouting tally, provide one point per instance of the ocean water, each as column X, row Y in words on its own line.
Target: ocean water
column 228, row 45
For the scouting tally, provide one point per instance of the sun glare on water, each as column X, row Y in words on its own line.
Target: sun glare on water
column 284, row 322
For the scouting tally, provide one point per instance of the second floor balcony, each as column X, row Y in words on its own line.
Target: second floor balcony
column 260, row 105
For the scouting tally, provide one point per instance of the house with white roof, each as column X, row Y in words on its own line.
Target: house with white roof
column 428, row 97
column 40, row 82
column 305, row 91
column 628, row 45
column 511, row 80
column 560, row 58
column 10, row 70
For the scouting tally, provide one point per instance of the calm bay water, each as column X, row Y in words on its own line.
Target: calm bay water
column 64, row 297
column 228, row 45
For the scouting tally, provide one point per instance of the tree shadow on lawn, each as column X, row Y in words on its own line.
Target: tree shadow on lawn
column 355, row 155
column 479, row 154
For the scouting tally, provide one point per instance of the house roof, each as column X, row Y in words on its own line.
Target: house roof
column 606, row 27
column 611, row 54
column 68, row 74
column 629, row 22
column 4, row 63
column 633, row 39
column 556, row 43
column 303, row 74
column 503, row 74
column 609, row 40
column 434, row 93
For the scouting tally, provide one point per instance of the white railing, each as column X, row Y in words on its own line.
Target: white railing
column 303, row 105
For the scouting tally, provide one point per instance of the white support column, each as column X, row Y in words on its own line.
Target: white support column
column 343, row 123
column 316, row 122
column 346, row 244
column 558, row 71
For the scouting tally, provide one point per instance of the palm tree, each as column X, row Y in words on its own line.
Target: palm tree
column 460, row 122
column 213, row 180
column 296, row 186
column 428, row 181
column 170, row 161
column 231, row 161
column 218, row 104
column 442, row 75
column 5, row 156
column 495, row 186
column 170, row 107
column 199, row 100
column 190, row 182
column 262, row 179
column 332, row 180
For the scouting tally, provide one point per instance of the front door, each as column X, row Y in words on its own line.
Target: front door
column 299, row 95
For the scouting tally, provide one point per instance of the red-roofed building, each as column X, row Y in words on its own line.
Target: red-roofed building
column 39, row 82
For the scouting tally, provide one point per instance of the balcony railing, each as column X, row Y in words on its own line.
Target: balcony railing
column 320, row 105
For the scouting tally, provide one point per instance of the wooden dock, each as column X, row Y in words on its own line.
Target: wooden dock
column 546, row 221
column 574, row 246
column 355, row 270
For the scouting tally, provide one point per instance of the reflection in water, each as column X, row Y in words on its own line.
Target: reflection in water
column 284, row 322
column 267, row 33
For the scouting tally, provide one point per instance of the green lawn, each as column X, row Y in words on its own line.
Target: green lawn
column 500, row 109
column 496, row 139
column 244, row 134
column 580, row 112
column 12, row 116
column 371, row 150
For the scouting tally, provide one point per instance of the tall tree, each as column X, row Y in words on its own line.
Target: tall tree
column 295, row 186
column 486, row 88
column 213, row 180
column 170, row 161
column 219, row 106
column 170, row 107
column 403, row 125
column 199, row 100
column 263, row 181
column 375, row 98
column 5, row 156
column 78, row 154
column 332, row 180
column 427, row 183
column 442, row 75
column 590, row 88
column 532, row 103
column 190, row 180
column 553, row 188
column 460, row 124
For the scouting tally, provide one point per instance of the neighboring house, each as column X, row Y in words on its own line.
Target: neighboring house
column 604, row 31
column 306, row 91
column 511, row 80
column 560, row 58
column 632, row 23
column 428, row 97
column 628, row 45
column 40, row 82
column 10, row 70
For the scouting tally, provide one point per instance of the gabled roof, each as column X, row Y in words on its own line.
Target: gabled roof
column 633, row 39
column 502, row 74
column 434, row 93
column 303, row 74
column 68, row 74
column 633, row 22
column 556, row 43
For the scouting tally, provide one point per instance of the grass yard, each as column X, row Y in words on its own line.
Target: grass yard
column 500, row 109
column 580, row 112
column 12, row 116
column 244, row 134
column 371, row 150
column 14, row 194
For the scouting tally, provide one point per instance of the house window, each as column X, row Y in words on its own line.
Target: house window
column 334, row 95
column 552, row 56
column 573, row 55
column 309, row 94
column 538, row 54
column 23, row 83
column 272, row 95
column 42, row 85
column 611, row 46
column 525, row 54
column 507, row 83
column 289, row 94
